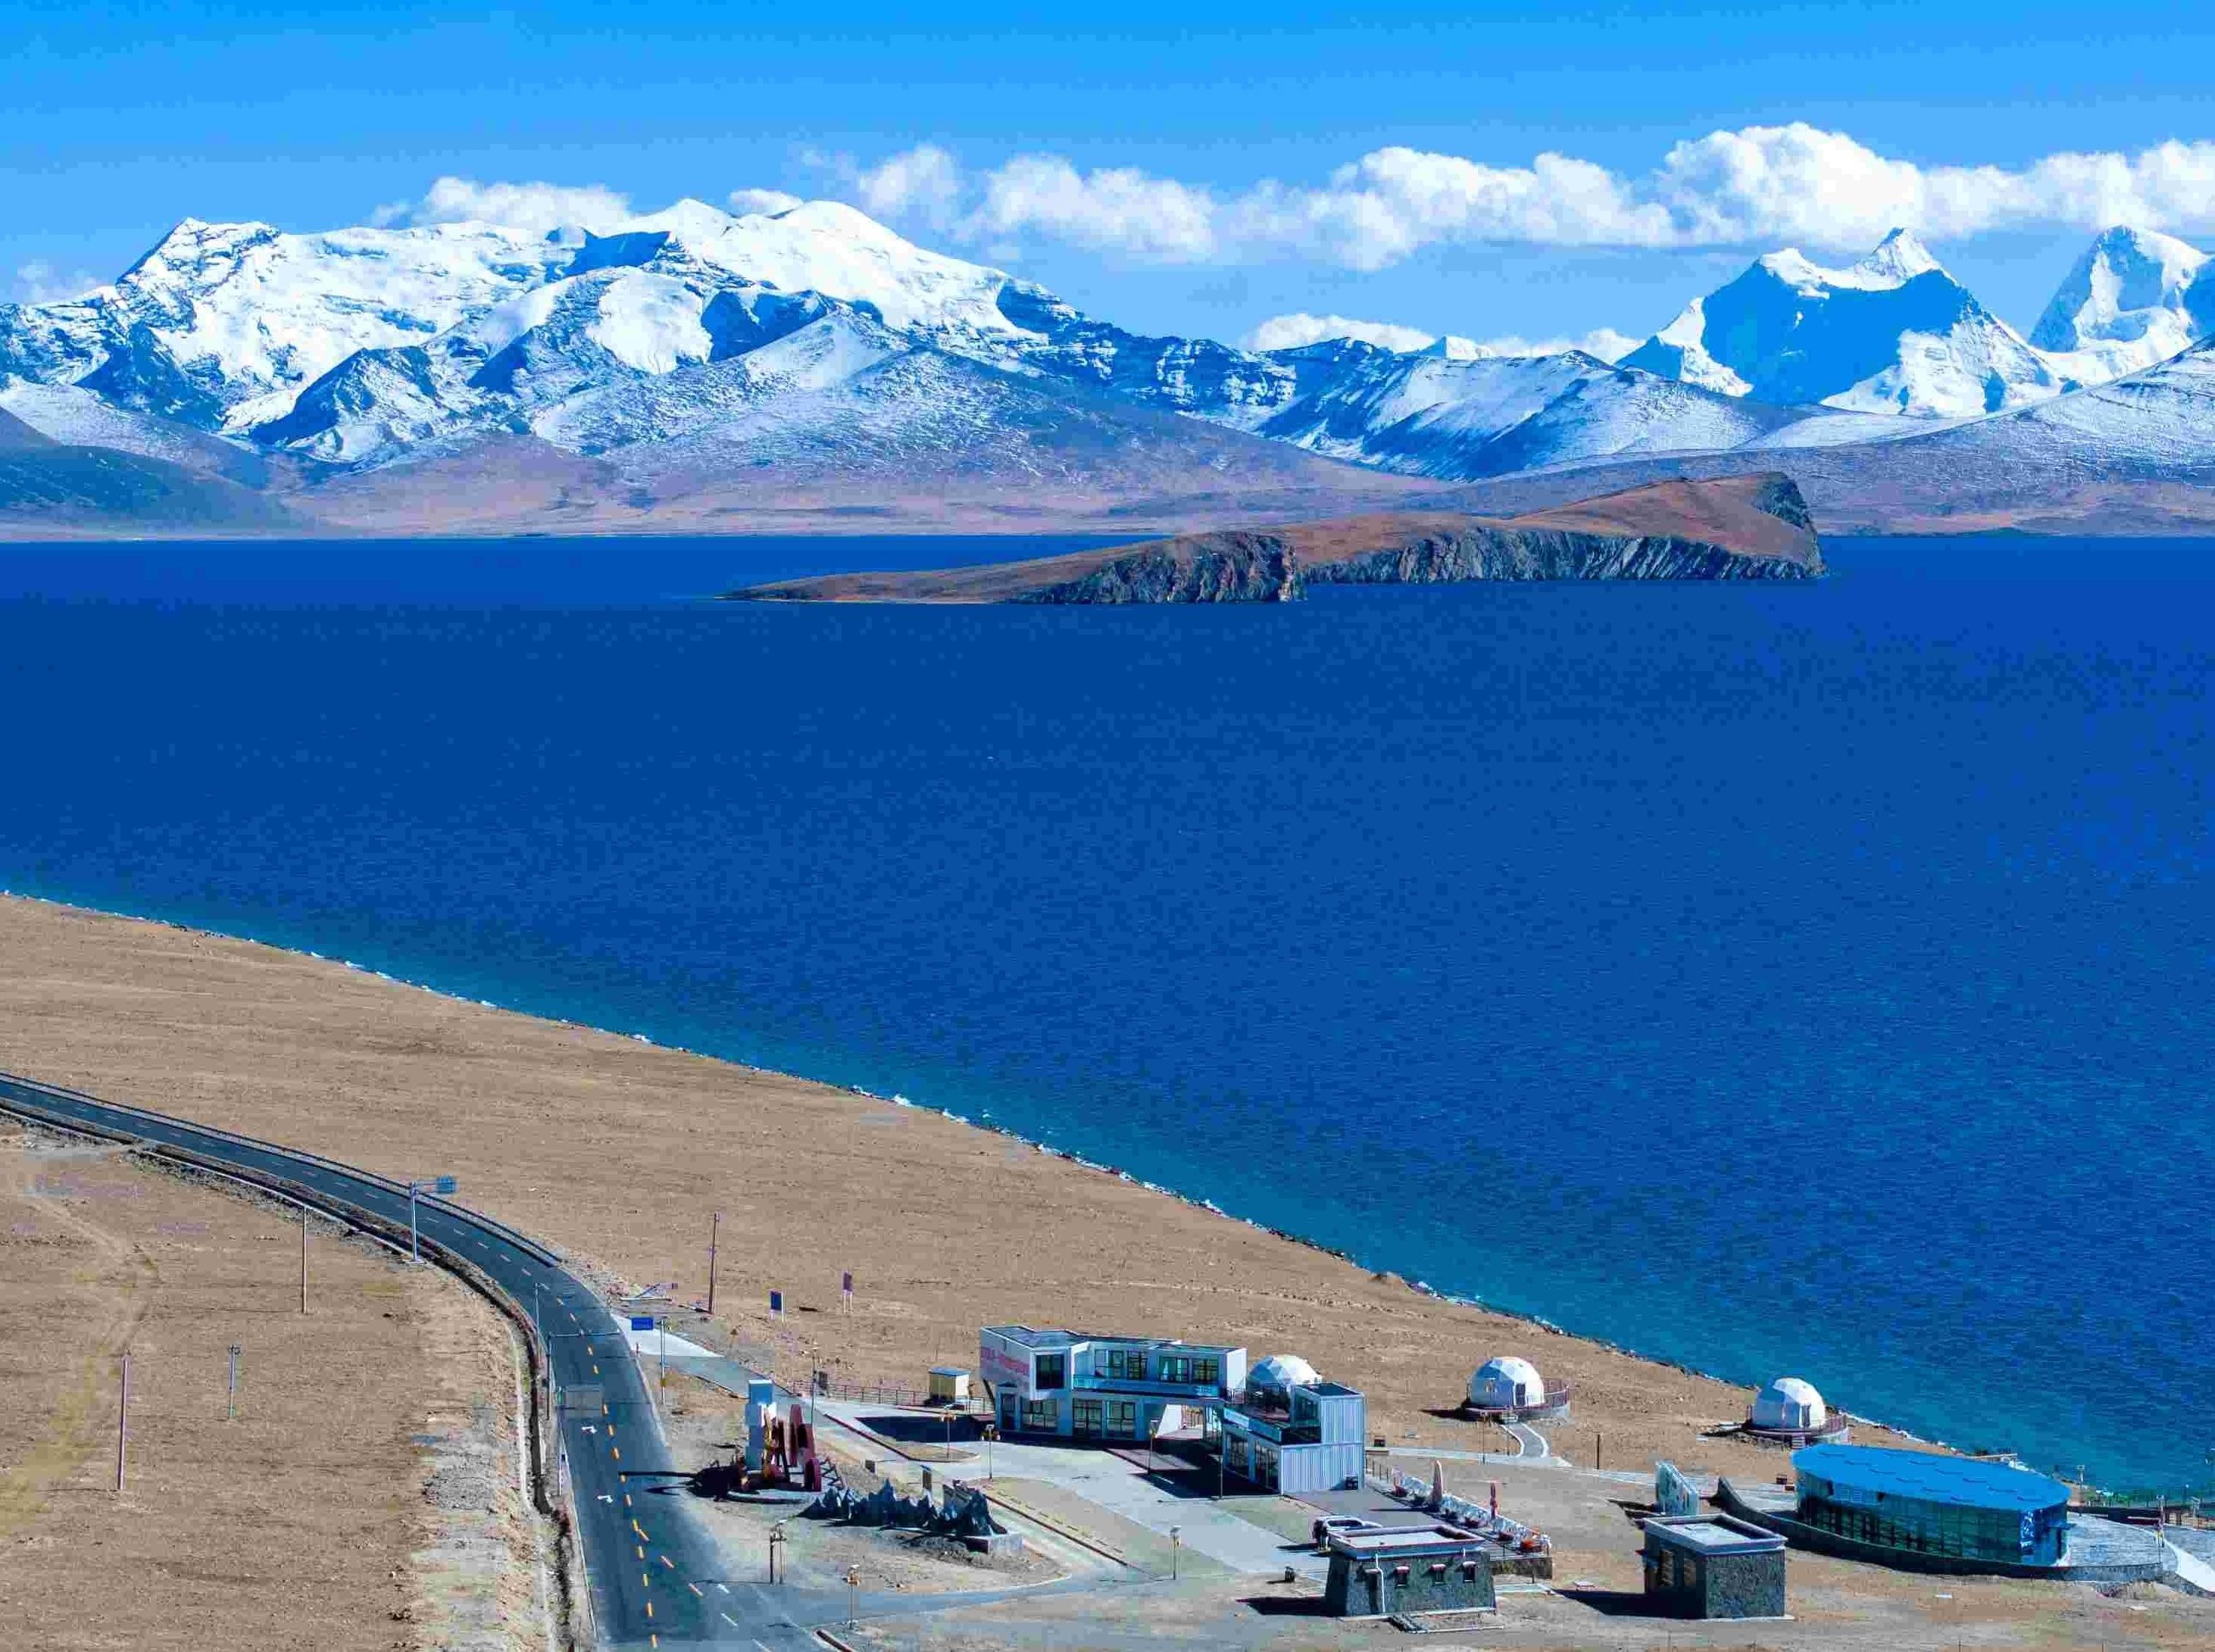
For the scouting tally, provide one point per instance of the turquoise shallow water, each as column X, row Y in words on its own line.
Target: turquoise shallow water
column 1803, row 979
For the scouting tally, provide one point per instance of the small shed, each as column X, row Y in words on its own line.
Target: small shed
column 1713, row 1566
column 949, row 1386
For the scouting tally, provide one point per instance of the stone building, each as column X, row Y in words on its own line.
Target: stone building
column 1713, row 1566
column 1379, row 1571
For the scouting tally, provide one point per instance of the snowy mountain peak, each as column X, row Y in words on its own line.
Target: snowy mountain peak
column 1899, row 259
column 830, row 247
column 1896, row 261
column 1454, row 347
column 1892, row 332
column 2135, row 297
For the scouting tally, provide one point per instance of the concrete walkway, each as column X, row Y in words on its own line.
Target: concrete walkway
column 1122, row 1488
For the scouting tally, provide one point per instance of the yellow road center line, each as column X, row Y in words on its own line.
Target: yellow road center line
column 616, row 1451
column 641, row 1552
column 667, row 1562
column 649, row 1608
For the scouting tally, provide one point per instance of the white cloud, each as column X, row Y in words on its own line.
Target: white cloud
column 1759, row 185
column 923, row 182
column 536, row 207
column 1602, row 341
column 1290, row 332
column 1114, row 209
column 767, row 201
column 41, row 283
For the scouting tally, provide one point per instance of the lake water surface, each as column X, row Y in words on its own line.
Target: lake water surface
column 1805, row 978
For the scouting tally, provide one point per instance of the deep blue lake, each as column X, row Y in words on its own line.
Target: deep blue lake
column 1807, row 979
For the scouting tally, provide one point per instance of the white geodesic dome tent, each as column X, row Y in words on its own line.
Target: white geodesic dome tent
column 1789, row 1403
column 1505, row 1383
column 1279, row 1373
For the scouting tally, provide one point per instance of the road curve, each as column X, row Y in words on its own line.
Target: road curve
column 653, row 1571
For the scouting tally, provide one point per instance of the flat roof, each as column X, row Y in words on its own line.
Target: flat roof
column 1407, row 1541
column 1031, row 1337
column 1331, row 1390
column 1714, row 1534
column 1962, row 1482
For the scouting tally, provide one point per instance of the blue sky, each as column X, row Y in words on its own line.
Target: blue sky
column 1171, row 174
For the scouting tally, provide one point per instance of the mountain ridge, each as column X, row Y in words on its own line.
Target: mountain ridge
column 685, row 365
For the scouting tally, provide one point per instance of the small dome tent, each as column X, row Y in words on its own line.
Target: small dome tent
column 1790, row 1405
column 1507, row 1383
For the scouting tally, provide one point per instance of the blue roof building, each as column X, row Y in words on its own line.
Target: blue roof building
column 1923, row 1503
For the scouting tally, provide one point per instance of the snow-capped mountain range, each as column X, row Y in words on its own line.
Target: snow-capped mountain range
column 695, row 352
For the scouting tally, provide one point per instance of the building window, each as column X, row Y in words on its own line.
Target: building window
column 1085, row 1420
column 1125, row 1363
column 1176, row 1368
column 1041, row 1417
column 1053, row 1370
column 1209, row 1371
column 1123, row 1419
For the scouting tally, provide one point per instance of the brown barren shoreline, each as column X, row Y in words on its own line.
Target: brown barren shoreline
column 619, row 1151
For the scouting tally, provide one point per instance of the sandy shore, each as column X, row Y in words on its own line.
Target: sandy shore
column 618, row 1151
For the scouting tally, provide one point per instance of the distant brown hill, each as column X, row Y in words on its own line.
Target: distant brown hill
column 1735, row 528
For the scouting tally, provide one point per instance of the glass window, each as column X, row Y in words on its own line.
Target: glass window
column 1123, row 1419
column 1085, row 1421
column 1041, row 1416
column 1207, row 1370
column 1053, row 1370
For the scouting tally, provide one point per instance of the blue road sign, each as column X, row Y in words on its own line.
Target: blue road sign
column 444, row 1184
column 776, row 1302
column 642, row 1322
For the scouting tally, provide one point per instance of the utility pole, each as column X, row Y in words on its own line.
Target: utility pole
column 715, row 1222
column 230, row 1410
column 122, row 1422
column 303, row 1262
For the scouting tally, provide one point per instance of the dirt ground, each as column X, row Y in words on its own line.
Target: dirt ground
column 620, row 1152
column 705, row 1426
column 364, row 1496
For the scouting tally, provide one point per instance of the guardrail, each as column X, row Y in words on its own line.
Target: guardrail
column 489, row 1224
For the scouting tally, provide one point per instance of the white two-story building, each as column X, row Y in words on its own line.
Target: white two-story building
column 1075, row 1385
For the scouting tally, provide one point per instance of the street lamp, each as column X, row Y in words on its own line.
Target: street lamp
column 853, row 1585
column 776, row 1537
column 1176, row 1533
column 441, row 1185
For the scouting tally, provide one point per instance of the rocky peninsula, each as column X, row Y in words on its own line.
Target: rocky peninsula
column 1753, row 527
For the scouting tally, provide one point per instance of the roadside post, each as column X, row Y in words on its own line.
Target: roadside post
column 303, row 1262
column 853, row 1587
column 1176, row 1536
column 715, row 1223
column 440, row 1185
column 231, row 1410
column 122, row 1421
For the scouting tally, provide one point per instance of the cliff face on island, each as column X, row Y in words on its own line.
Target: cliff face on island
column 1547, row 554
column 1229, row 566
column 1737, row 528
